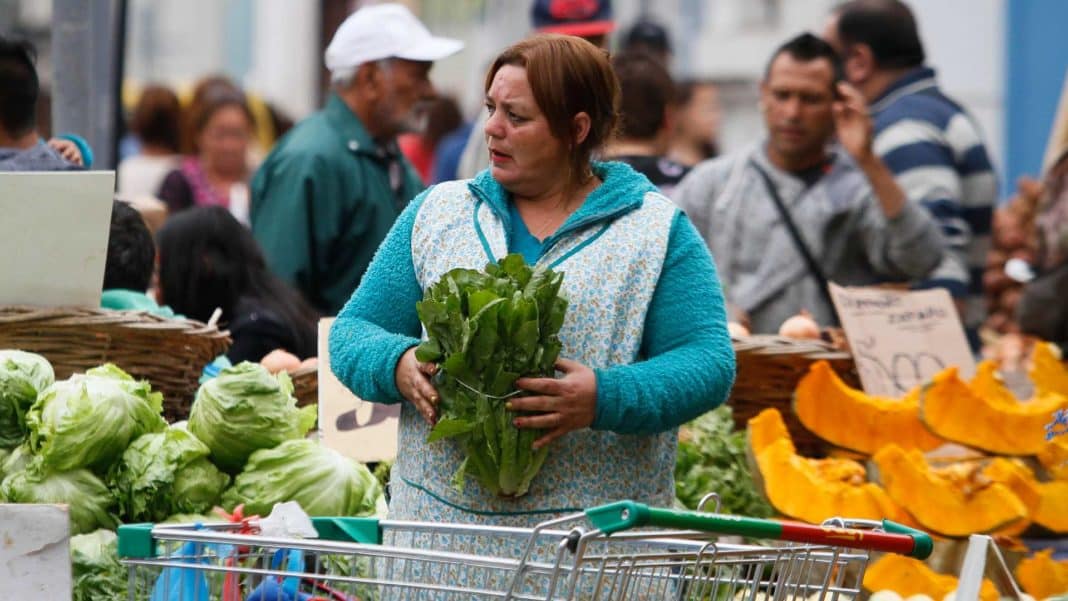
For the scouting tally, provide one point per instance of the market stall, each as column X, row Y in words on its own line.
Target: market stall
column 955, row 457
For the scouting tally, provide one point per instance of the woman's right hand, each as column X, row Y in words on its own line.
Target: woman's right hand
column 413, row 382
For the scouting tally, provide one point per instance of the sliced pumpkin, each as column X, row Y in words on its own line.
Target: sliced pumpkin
column 812, row 490
column 1041, row 576
column 907, row 576
column 1017, row 479
column 939, row 501
column 987, row 383
column 951, row 409
column 1046, row 502
column 1048, row 371
column 1054, row 458
column 849, row 418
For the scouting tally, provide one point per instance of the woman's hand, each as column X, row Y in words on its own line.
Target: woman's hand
column 565, row 404
column 413, row 382
column 68, row 150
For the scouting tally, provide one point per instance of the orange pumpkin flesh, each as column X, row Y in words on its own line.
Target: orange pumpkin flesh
column 849, row 418
column 939, row 501
column 951, row 409
column 812, row 490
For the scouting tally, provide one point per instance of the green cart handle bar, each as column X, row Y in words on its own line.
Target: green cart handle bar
column 135, row 540
column 896, row 538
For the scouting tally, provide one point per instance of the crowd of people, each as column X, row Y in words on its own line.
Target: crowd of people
column 601, row 165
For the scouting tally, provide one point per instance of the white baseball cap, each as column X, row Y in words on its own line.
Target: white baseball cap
column 384, row 31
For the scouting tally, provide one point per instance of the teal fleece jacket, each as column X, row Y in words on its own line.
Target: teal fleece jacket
column 687, row 365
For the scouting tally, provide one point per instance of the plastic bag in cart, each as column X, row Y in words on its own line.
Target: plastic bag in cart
column 289, row 588
column 188, row 584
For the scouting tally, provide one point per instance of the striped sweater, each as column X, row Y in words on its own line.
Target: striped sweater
column 936, row 152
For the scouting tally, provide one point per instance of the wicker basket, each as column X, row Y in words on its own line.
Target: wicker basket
column 769, row 368
column 169, row 353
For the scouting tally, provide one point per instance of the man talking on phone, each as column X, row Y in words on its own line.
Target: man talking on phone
column 808, row 204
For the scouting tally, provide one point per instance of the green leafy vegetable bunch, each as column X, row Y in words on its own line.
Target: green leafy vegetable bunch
column 486, row 329
column 711, row 458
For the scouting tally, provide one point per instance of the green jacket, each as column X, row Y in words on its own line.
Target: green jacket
column 322, row 203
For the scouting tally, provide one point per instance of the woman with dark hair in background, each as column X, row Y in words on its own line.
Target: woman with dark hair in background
column 217, row 174
column 208, row 260
column 155, row 122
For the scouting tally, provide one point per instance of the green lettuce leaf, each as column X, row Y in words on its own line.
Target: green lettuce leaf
column 165, row 473
column 95, row 568
column 89, row 420
column 22, row 377
column 245, row 409
column 90, row 502
column 323, row 481
column 17, row 460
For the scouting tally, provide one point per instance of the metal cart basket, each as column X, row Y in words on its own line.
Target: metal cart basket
column 620, row 551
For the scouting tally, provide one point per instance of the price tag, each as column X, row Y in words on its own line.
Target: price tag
column 900, row 339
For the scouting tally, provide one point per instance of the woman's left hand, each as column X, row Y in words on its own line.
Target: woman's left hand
column 68, row 150
column 565, row 404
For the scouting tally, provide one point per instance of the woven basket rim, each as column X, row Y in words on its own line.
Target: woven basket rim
column 770, row 344
column 96, row 316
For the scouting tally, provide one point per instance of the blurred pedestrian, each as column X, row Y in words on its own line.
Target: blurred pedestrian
column 325, row 197
column 436, row 119
column 131, row 262
column 791, row 213
column 156, row 123
column 646, row 119
column 1042, row 310
column 697, row 121
column 650, row 37
column 934, row 148
column 21, row 146
column 208, row 260
column 220, row 128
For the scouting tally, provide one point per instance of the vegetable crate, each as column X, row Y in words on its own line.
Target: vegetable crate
column 620, row 551
column 768, row 370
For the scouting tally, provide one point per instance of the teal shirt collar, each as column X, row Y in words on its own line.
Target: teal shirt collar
column 621, row 191
column 133, row 300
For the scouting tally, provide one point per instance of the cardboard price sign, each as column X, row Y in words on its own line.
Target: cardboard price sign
column 356, row 428
column 900, row 339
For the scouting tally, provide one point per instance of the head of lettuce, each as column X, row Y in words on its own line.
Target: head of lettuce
column 90, row 501
column 245, row 409
column 320, row 479
column 22, row 377
column 164, row 473
column 90, row 419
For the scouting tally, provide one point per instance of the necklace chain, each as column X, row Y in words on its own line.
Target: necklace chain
column 540, row 231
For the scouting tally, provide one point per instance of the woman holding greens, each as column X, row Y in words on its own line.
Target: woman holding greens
column 645, row 343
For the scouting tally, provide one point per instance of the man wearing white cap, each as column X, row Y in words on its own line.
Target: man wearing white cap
column 328, row 193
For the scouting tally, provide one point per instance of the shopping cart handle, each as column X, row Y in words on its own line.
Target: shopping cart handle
column 349, row 530
column 923, row 545
column 624, row 515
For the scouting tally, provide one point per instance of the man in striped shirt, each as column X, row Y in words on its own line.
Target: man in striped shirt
column 932, row 145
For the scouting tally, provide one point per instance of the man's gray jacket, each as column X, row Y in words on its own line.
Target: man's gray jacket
column 839, row 217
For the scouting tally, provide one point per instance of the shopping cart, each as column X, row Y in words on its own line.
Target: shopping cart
column 620, row 551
